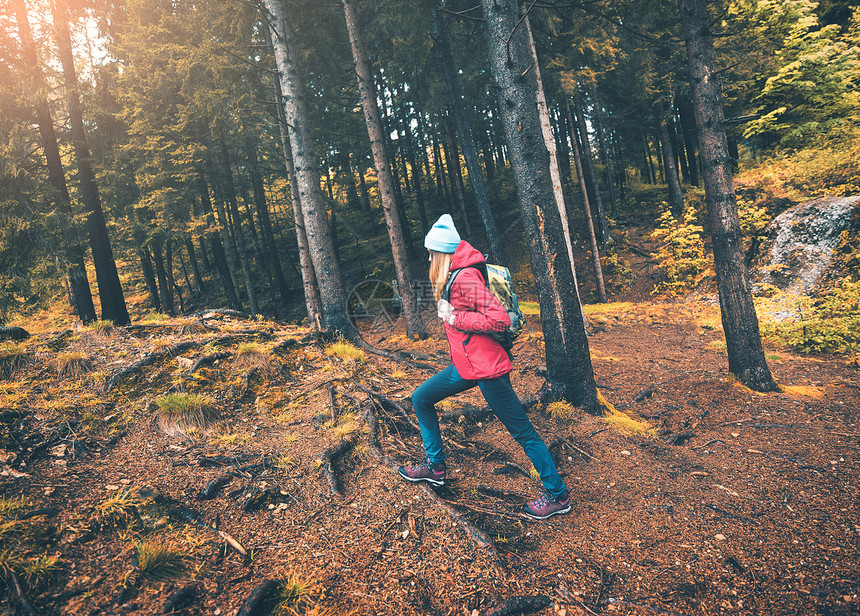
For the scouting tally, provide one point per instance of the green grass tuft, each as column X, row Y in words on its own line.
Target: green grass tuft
column 158, row 559
column 177, row 413
column 345, row 351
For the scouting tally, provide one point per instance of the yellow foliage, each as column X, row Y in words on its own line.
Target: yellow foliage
column 529, row 308
column 734, row 382
column 345, row 351
column 803, row 390
column 623, row 422
column 561, row 410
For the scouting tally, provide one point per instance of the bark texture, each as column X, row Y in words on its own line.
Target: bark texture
column 332, row 295
column 414, row 327
column 80, row 296
column 569, row 371
column 110, row 290
column 466, row 141
column 740, row 323
column 306, row 266
column 676, row 195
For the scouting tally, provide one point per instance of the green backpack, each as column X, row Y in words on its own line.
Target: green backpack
column 498, row 280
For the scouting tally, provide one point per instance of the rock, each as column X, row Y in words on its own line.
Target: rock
column 799, row 243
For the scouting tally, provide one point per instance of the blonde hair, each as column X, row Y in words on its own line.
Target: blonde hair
column 440, row 264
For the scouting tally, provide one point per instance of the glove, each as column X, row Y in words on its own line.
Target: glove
column 445, row 311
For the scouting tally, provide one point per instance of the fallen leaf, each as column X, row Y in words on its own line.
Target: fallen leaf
column 720, row 537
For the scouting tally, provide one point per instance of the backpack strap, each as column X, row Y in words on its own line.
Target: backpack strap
column 446, row 290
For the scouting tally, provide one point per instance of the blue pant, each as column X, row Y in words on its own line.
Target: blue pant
column 505, row 404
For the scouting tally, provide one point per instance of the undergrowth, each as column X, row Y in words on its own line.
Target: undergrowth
column 24, row 543
column 681, row 263
column 829, row 324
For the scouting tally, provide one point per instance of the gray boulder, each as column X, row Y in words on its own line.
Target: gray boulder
column 799, row 243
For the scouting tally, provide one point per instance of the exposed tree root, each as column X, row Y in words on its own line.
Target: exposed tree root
column 148, row 360
column 332, row 404
column 182, row 597
column 519, row 605
column 398, row 357
column 207, row 360
column 246, row 387
column 59, row 340
column 563, row 441
column 25, row 604
column 13, row 333
column 331, row 454
column 227, row 312
column 212, row 488
column 474, row 533
column 258, row 601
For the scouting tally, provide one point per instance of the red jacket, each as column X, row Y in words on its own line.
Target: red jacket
column 476, row 354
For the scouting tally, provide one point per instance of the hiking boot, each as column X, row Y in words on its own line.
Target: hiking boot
column 546, row 506
column 434, row 474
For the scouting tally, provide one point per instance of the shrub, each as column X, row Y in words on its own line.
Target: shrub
column 293, row 593
column 830, row 324
column 177, row 413
column 681, row 262
column 616, row 273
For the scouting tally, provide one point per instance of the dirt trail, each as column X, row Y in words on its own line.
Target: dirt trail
column 738, row 503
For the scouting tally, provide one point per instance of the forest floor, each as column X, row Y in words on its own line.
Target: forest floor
column 733, row 502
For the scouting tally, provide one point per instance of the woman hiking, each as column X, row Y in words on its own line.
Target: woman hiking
column 470, row 314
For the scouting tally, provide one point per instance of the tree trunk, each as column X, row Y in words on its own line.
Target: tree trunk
column 602, row 226
column 652, row 175
column 365, row 195
column 332, row 295
column 313, row 304
column 409, row 141
column 165, row 291
column 569, row 372
column 171, row 280
column 223, row 224
column 414, row 327
column 676, row 195
column 546, row 131
column 266, row 224
column 218, row 254
column 604, row 152
column 452, row 161
column 688, row 131
column 242, row 245
column 442, row 192
column 110, row 290
column 195, row 268
column 589, row 221
column 740, row 323
column 149, row 276
column 678, row 148
column 466, row 141
column 80, row 297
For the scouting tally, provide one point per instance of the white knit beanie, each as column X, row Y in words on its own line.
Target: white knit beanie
column 443, row 236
